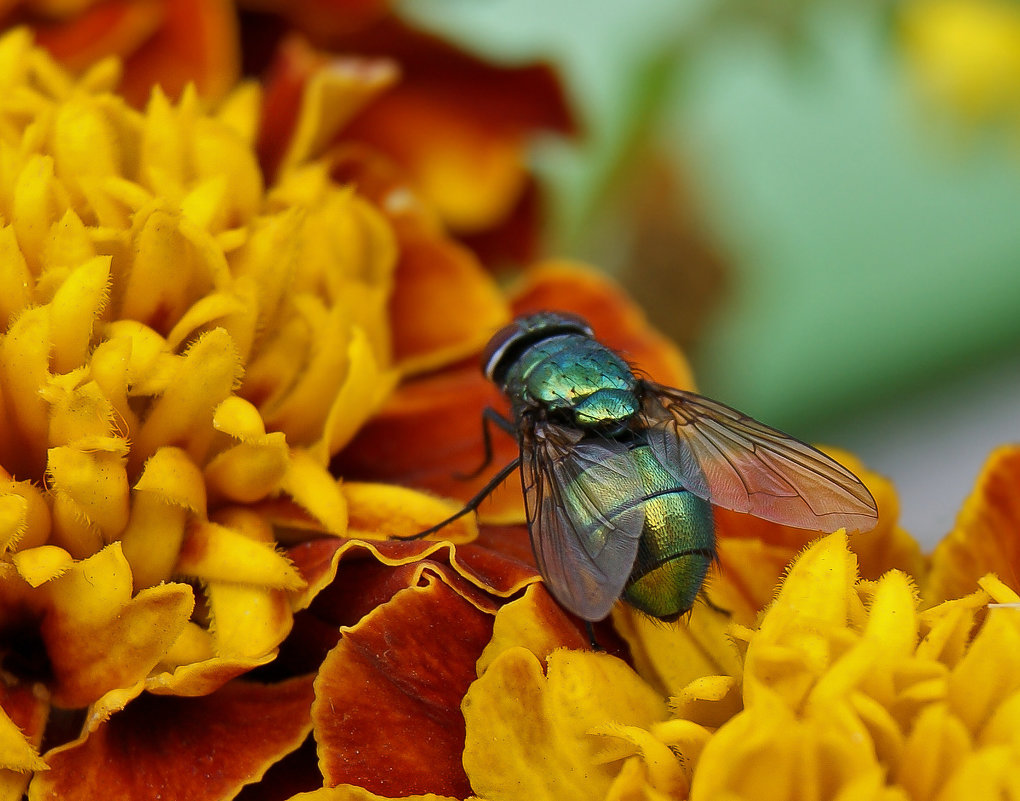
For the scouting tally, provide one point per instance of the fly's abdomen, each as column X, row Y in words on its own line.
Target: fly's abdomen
column 677, row 544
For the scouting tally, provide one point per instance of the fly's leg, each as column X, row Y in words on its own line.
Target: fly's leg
column 472, row 504
column 715, row 607
column 489, row 417
column 591, row 636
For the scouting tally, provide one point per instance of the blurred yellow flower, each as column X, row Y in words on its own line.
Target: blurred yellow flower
column 178, row 343
column 966, row 53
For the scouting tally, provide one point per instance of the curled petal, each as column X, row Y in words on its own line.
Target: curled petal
column 98, row 637
column 387, row 698
column 310, row 96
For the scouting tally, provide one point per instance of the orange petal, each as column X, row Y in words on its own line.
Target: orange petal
column 428, row 433
column 310, row 96
column 101, row 29
column 196, row 42
column 202, row 749
column 387, row 698
column 444, row 306
column 984, row 539
column 470, row 122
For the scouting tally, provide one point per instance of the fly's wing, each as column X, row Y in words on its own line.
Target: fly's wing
column 585, row 514
column 738, row 463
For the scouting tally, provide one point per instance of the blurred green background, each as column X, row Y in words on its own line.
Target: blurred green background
column 837, row 249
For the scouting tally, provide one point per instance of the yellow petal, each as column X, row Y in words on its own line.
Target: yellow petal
column 168, row 494
column 216, row 553
column 988, row 673
column 365, row 388
column 766, row 753
column 662, row 769
column 247, row 621
column 95, row 483
column 1003, row 727
column 527, row 733
column 936, row 746
column 16, row 752
column 41, row 564
column 13, row 520
column 333, row 95
column 24, row 368
column 383, row 511
column 85, row 143
column 989, row 773
column 78, row 415
column 315, row 490
column 183, row 415
column 708, row 701
column 670, row 657
column 16, row 281
column 235, row 310
column 100, row 638
column 892, row 622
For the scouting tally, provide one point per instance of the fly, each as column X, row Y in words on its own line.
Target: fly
column 620, row 473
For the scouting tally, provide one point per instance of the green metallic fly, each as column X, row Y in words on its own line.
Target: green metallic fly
column 620, row 473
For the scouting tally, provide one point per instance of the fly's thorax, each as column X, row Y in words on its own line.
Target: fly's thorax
column 573, row 374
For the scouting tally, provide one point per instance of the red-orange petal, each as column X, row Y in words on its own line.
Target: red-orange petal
column 111, row 28
column 444, row 306
column 182, row 749
column 984, row 539
column 197, row 42
column 387, row 698
column 429, row 433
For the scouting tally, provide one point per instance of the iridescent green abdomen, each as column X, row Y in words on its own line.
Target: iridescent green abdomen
column 677, row 543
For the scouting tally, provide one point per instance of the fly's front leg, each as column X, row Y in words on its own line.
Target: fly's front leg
column 489, row 416
column 472, row 504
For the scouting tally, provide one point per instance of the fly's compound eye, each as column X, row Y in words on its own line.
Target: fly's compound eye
column 507, row 344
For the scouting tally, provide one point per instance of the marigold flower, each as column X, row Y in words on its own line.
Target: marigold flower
column 180, row 343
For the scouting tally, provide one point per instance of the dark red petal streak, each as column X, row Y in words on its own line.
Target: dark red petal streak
column 183, row 749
